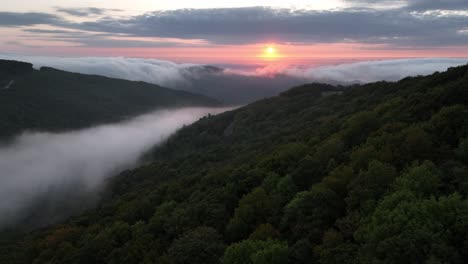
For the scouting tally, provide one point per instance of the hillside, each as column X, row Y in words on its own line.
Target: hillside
column 54, row 100
column 374, row 173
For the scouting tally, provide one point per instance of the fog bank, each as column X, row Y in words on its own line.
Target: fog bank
column 381, row 70
column 46, row 176
column 236, row 86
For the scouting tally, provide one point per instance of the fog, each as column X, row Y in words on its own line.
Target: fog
column 47, row 176
column 237, row 86
column 382, row 70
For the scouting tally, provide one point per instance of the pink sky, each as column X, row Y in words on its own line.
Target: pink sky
column 235, row 32
column 253, row 54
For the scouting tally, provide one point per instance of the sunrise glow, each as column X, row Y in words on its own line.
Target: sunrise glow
column 142, row 30
column 270, row 53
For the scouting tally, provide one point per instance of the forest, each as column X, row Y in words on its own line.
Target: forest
column 55, row 100
column 373, row 173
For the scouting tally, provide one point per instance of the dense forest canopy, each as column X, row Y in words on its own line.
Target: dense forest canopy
column 374, row 173
column 54, row 100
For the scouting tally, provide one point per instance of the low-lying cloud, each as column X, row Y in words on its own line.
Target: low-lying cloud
column 223, row 85
column 45, row 177
column 241, row 86
column 373, row 71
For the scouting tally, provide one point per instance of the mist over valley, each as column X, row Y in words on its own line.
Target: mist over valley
column 45, row 177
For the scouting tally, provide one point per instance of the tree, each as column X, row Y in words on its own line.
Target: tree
column 370, row 185
column 264, row 232
column 338, row 180
column 406, row 229
column 254, row 208
column 332, row 148
column 201, row 245
column 422, row 180
column 256, row 252
column 286, row 188
column 450, row 123
column 334, row 249
column 462, row 150
column 310, row 212
column 301, row 252
column 358, row 127
column 272, row 254
column 417, row 145
column 240, row 253
column 308, row 171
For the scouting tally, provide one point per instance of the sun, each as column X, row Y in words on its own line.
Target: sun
column 270, row 53
column 271, row 50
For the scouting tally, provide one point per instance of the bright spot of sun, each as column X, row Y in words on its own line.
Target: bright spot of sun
column 270, row 53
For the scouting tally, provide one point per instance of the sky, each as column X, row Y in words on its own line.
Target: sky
column 219, row 32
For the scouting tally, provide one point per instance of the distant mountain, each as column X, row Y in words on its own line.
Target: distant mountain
column 55, row 100
column 374, row 173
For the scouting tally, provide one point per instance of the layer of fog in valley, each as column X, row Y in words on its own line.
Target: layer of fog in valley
column 239, row 86
column 44, row 177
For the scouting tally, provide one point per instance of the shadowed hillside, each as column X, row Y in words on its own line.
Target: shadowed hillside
column 54, row 100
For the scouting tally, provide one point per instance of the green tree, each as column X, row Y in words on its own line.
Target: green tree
column 450, row 123
column 422, row 180
column 312, row 211
column 254, row 208
column 358, row 127
column 405, row 229
column 332, row 148
column 201, row 245
column 334, row 249
column 338, row 180
column 256, row 252
column 277, row 253
column 417, row 145
column 264, row 232
column 301, row 252
column 462, row 150
column 370, row 185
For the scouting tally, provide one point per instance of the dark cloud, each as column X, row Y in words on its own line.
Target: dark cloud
column 438, row 4
column 99, row 40
column 10, row 19
column 48, row 31
column 85, row 12
column 400, row 27
column 260, row 24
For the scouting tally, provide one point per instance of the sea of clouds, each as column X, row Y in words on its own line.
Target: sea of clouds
column 238, row 86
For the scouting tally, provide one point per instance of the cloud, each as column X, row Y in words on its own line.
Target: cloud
column 11, row 19
column 50, row 31
column 45, row 176
column 420, row 5
column 85, row 12
column 406, row 26
column 214, row 82
column 372, row 71
column 262, row 24
column 240, row 86
column 155, row 71
column 105, row 40
column 438, row 4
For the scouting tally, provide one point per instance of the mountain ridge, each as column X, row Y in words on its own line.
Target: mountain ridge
column 53, row 100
